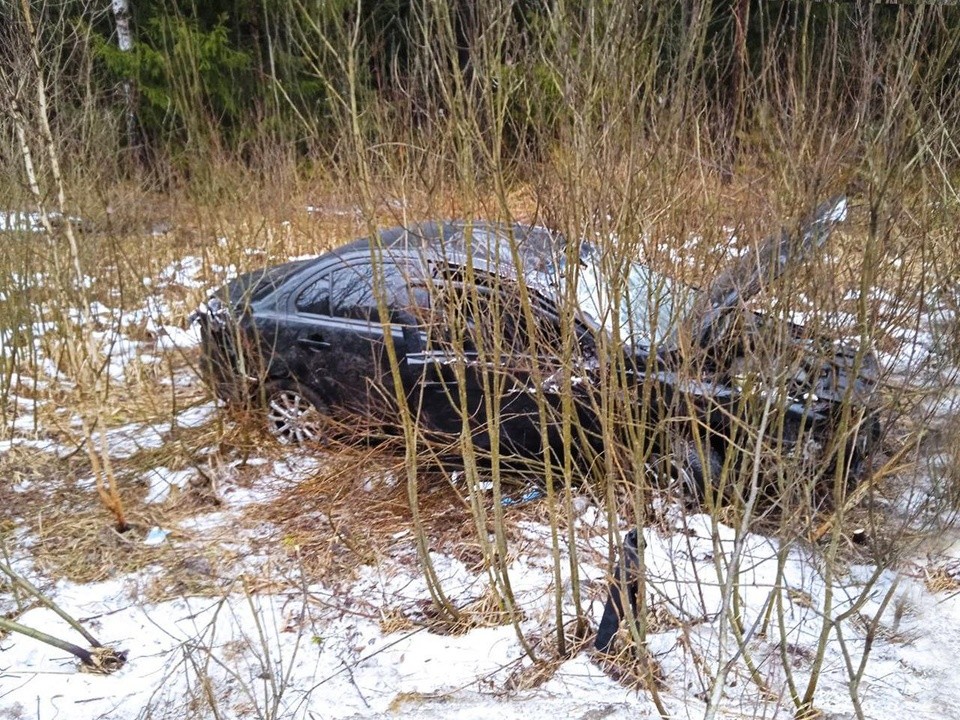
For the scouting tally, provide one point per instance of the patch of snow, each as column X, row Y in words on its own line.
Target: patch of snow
column 170, row 337
column 248, row 462
column 944, row 406
column 32, row 222
column 22, row 486
column 43, row 445
column 24, row 422
column 226, row 272
column 162, row 481
column 208, row 522
column 197, row 416
column 155, row 536
column 127, row 440
column 838, row 213
column 297, row 466
column 184, row 272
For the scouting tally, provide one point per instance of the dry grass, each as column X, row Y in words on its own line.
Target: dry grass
column 943, row 578
column 356, row 511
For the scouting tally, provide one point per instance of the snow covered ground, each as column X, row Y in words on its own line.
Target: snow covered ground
column 258, row 636
column 327, row 650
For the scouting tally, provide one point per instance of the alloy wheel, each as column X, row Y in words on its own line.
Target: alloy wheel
column 292, row 418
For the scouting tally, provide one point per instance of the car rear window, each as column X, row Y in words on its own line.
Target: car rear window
column 351, row 291
column 315, row 298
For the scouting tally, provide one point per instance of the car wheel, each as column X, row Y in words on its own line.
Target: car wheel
column 695, row 470
column 861, row 449
column 295, row 414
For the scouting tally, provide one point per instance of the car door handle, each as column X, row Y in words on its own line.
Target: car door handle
column 313, row 342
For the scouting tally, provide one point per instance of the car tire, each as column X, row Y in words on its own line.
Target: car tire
column 695, row 469
column 861, row 449
column 295, row 414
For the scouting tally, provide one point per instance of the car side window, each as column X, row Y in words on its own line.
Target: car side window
column 481, row 319
column 315, row 299
column 352, row 293
column 356, row 290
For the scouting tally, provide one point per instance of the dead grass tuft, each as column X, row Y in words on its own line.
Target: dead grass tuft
column 529, row 677
column 637, row 670
column 486, row 611
column 943, row 578
column 406, row 701
column 84, row 546
column 345, row 516
column 393, row 620
column 104, row 660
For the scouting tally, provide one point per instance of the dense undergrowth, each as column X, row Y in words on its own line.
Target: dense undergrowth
column 659, row 137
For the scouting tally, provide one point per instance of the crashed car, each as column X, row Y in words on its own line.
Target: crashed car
column 468, row 330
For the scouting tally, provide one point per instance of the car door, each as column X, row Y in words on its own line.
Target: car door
column 477, row 369
column 447, row 386
column 338, row 342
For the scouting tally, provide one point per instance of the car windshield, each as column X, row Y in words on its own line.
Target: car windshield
column 651, row 305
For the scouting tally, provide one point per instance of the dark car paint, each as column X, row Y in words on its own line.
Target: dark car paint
column 345, row 360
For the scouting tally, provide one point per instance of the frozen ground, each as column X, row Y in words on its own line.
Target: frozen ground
column 257, row 636
column 327, row 651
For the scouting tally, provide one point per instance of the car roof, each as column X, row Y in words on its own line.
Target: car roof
column 487, row 245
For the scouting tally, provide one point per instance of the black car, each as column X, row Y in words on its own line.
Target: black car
column 481, row 329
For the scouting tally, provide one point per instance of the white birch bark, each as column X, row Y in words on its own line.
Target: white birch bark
column 121, row 16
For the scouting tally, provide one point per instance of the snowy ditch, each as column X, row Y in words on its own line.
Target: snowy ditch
column 328, row 650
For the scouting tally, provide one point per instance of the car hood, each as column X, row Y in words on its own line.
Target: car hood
column 749, row 274
column 664, row 307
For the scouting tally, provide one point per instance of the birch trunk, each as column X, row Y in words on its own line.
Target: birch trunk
column 121, row 16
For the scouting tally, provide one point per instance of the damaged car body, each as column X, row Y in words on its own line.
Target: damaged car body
column 498, row 336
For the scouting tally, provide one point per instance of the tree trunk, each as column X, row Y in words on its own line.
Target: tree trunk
column 121, row 15
column 735, row 92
